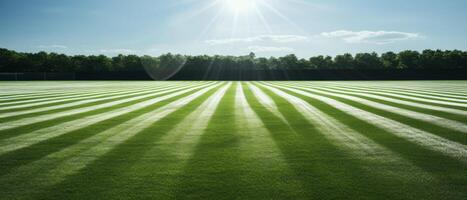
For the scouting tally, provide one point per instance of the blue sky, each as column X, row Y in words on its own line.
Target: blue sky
column 231, row 27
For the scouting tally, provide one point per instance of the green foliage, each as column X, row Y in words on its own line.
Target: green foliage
column 368, row 61
column 11, row 61
column 409, row 59
column 389, row 60
column 345, row 61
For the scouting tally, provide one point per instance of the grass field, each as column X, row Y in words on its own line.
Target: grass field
column 233, row 140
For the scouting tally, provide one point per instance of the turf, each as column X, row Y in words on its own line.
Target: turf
column 233, row 140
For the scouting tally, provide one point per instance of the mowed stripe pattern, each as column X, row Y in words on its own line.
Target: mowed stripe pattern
column 233, row 140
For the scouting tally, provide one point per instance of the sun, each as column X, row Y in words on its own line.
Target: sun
column 240, row 18
column 241, row 5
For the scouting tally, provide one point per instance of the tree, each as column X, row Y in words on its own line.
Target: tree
column 99, row 63
column 464, row 60
column 274, row 63
column 454, row 59
column 117, row 63
column 289, row 62
column 429, row 59
column 409, row 60
column 8, row 60
column 303, row 64
column 163, row 67
column 367, row 61
column 38, row 61
column 262, row 64
column 252, row 56
column 58, row 63
column 79, row 63
column 132, row 63
column 345, row 61
column 11, row 61
column 316, row 62
column 389, row 60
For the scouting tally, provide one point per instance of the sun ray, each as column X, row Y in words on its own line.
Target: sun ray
column 211, row 23
column 235, row 24
column 282, row 16
column 242, row 18
column 241, row 5
column 205, row 8
column 263, row 20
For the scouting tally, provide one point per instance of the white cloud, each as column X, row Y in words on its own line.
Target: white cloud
column 260, row 38
column 286, row 38
column 53, row 46
column 230, row 41
column 371, row 37
column 117, row 51
column 259, row 49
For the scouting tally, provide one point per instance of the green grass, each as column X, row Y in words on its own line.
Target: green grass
column 233, row 140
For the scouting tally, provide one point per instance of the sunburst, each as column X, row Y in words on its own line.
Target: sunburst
column 242, row 18
column 240, row 6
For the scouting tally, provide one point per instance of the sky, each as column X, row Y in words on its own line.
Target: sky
column 232, row 27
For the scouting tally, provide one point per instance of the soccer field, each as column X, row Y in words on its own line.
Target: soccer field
column 233, row 140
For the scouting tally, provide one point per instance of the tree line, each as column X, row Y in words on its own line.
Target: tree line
column 12, row 61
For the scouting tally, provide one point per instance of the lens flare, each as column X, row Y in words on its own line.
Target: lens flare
column 163, row 67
